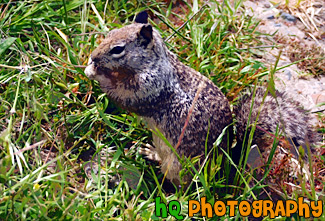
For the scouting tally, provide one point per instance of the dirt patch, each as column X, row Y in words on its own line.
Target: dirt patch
column 299, row 33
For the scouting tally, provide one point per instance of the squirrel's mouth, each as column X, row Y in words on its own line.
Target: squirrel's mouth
column 115, row 77
column 92, row 70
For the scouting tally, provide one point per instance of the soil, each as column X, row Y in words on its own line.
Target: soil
column 293, row 34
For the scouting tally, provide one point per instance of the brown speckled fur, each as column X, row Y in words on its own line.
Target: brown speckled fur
column 138, row 72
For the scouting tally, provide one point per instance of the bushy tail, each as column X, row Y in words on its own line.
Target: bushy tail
column 293, row 122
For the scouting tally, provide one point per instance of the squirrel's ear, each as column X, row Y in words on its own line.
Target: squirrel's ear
column 142, row 17
column 146, row 34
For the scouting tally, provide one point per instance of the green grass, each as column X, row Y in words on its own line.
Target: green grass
column 49, row 110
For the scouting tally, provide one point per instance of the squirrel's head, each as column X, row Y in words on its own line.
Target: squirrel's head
column 129, row 61
column 124, row 48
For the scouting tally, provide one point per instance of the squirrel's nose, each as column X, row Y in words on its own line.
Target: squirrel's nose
column 90, row 69
column 90, row 61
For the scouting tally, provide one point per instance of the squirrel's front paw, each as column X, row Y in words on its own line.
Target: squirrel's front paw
column 150, row 152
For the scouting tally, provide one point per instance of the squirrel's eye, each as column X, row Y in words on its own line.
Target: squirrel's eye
column 95, row 61
column 117, row 50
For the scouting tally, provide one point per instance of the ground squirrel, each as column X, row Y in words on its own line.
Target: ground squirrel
column 138, row 72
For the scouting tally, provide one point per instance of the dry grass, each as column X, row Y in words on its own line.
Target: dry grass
column 310, row 12
column 311, row 57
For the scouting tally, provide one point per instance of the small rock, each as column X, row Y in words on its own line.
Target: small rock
column 288, row 73
column 288, row 17
column 270, row 17
column 302, row 85
column 267, row 5
column 277, row 25
column 318, row 98
column 254, row 159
